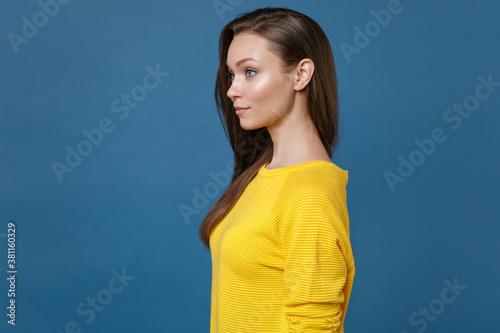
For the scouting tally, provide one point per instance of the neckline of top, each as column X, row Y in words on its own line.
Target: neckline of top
column 264, row 172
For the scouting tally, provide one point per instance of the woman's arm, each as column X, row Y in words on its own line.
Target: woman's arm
column 315, row 245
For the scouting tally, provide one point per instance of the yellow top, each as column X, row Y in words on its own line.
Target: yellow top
column 282, row 259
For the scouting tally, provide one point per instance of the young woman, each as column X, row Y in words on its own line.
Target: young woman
column 279, row 235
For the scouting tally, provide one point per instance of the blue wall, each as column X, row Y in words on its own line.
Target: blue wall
column 112, row 153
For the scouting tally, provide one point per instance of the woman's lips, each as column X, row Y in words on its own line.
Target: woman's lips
column 240, row 111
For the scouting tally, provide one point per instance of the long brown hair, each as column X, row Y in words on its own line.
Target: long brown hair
column 293, row 36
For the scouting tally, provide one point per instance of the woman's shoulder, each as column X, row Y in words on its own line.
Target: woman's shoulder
column 319, row 174
column 317, row 179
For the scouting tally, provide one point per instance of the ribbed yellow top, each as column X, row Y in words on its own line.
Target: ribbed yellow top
column 282, row 259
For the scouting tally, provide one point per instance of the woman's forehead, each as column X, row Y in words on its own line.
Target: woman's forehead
column 248, row 47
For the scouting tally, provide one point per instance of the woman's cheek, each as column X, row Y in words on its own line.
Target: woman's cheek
column 262, row 87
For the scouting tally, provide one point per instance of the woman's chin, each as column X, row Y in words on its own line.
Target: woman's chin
column 247, row 125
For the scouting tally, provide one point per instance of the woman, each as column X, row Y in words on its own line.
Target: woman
column 279, row 235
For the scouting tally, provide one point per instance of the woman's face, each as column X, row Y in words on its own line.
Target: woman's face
column 258, row 84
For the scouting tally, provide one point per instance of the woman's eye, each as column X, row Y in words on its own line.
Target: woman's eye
column 249, row 73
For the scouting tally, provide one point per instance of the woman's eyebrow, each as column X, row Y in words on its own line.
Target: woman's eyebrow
column 239, row 62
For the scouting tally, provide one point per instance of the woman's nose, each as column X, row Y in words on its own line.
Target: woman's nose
column 234, row 90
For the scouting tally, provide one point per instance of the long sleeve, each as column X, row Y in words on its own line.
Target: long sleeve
column 314, row 236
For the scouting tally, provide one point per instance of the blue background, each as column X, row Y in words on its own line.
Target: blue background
column 121, row 207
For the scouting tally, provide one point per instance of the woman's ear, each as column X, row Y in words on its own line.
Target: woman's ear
column 303, row 73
